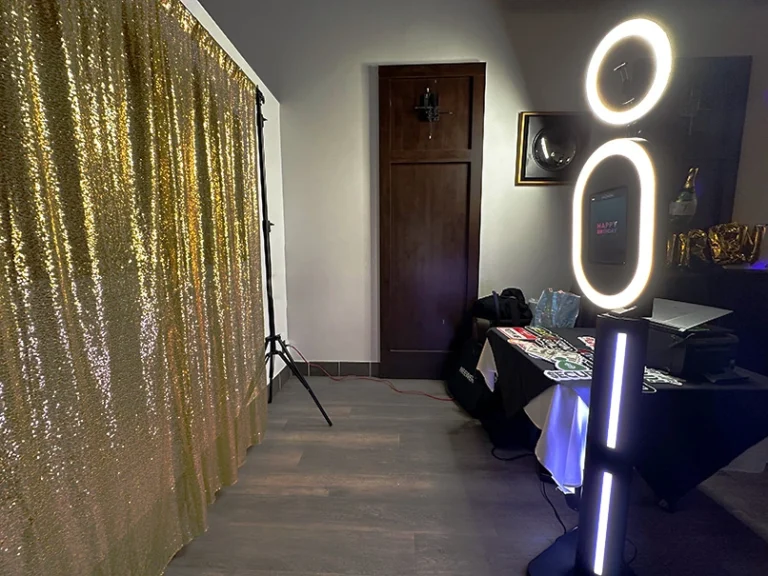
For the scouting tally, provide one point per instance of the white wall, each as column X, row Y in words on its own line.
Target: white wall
column 557, row 44
column 320, row 59
column 273, row 157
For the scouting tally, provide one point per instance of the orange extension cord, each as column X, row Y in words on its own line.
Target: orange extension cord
column 381, row 380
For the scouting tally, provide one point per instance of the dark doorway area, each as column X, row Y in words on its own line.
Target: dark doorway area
column 431, row 155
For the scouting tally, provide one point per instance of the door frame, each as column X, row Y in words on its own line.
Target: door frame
column 474, row 157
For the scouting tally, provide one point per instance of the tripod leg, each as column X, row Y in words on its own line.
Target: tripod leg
column 288, row 359
column 271, row 370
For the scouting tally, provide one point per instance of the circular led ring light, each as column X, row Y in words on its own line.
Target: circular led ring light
column 633, row 151
column 658, row 40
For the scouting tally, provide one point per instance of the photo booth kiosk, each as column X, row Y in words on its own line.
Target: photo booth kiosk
column 614, row 212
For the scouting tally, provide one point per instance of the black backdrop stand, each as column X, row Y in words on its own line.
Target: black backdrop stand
column 274, row 344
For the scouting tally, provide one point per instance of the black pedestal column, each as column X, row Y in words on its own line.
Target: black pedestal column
column 596, row 546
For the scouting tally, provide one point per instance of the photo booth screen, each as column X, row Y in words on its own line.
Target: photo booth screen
column 608, row 226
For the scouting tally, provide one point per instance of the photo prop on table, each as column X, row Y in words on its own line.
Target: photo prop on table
column 547, row 345
column 651, row 377
column 568, row 375
column 545, row 333
column 562, row 359
column 572, row 363
column 518, row 334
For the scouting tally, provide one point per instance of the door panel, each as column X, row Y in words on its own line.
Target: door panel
column 409, row 132
column 428, row 274
column 430, row 176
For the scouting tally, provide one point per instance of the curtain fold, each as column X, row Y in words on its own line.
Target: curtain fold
column 131, row 368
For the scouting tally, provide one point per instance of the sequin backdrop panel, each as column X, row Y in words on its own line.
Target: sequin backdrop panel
column 131, row 374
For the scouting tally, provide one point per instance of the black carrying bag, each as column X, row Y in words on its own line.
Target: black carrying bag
column 506, row 309
column 467, row 386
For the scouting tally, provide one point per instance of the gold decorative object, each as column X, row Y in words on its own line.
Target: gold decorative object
column 755, row 242
column 132, row 369
column 728, row 242
column 684, row 248
column 698, row 246
column 673, row 255
column 724, row 244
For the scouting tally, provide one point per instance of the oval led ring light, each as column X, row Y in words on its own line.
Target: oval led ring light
column 637, row 155
column 658, row 40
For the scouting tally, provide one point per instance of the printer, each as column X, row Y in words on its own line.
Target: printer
column 683, row 344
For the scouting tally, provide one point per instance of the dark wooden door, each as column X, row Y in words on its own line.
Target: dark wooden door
column 431, row 182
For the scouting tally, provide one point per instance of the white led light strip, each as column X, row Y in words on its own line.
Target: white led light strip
column 636, row 154
column 657, row 39
column 602, row 522
column 617, row 385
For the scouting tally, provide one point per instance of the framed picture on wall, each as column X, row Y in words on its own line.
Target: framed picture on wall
column 551, row 147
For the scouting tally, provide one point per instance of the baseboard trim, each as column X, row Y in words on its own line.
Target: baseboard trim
column 339, row 368
column 279, row 381
column 335, row 369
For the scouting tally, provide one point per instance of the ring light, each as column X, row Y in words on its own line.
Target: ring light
column 657, row 39
column 636, row 154
column 597, row 547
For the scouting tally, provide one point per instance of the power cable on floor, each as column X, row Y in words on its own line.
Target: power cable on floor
column 543, row 490
column 546, row 497
column 511, row 458
column 542, row 486
column 370, row 379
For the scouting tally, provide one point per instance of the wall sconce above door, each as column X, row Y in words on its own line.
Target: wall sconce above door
column 429, row 109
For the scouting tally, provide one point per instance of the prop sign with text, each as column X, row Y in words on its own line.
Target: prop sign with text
column 570, row 362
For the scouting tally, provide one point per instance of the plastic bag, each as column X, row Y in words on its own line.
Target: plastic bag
column 556, row 309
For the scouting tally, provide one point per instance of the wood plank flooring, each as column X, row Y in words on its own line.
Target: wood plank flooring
column 405, row 485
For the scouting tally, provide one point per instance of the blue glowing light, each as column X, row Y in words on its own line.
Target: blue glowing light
column 602, row 522
column 617, row 384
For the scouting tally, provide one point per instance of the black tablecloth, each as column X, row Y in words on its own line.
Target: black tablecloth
column 688, row 433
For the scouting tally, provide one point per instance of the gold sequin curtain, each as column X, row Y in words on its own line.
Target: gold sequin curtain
column 131, row 368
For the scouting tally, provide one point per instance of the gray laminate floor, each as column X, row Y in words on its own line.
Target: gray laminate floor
column 406, row 486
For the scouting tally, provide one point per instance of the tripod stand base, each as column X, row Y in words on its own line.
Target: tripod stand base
column 276, row 346
column 560, row 559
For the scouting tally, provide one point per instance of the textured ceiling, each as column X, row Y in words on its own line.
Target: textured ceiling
column 557, row 5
